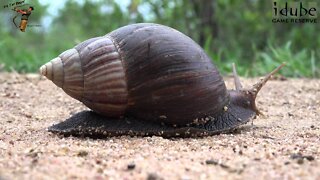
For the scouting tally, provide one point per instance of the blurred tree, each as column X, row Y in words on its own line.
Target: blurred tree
column 228, row 30
column 207, row 26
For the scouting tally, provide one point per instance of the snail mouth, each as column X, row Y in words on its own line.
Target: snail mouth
column 244, row 99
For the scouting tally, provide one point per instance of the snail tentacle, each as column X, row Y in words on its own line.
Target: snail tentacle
column 257, row 87
column 237, row 81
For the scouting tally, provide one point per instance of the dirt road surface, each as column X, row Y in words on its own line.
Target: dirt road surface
column 284, row 143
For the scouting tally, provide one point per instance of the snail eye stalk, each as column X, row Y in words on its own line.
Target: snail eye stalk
column 237, row 81
column 257, row 87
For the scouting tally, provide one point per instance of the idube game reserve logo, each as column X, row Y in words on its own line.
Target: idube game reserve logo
column 295, row 12
column 23, row 12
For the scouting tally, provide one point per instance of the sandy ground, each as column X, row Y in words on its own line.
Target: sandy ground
column 285, row 143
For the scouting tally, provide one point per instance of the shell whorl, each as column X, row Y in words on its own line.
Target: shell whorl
column 91, row 72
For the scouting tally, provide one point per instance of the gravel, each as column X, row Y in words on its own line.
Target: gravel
column 281, row 144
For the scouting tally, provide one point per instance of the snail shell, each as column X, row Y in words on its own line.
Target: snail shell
column 146, row 70
column 150, row 72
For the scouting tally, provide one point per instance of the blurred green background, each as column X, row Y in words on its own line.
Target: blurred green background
column 228, row 30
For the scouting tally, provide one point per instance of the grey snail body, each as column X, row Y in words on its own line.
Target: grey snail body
column 148, row 79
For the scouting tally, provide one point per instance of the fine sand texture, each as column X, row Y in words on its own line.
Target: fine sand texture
column 284, row 143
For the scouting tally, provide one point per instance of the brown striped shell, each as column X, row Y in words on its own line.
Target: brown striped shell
column 97, row 78
column 148, row 71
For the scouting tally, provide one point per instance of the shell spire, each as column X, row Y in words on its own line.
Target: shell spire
column 91, row 72
column 53, row 70
column 65, row 71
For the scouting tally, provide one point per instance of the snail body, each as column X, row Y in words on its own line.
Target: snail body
column 148, row 79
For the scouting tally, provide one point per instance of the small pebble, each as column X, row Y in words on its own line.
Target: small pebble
column 296, row 156
column 154, row 176
column 224, row 166
column 300, row 161
column 300, row 158
column 82, row 153
column 211, row 161
column 98, row 161
column 131, row 166
column 309, row 158
column 100, row 170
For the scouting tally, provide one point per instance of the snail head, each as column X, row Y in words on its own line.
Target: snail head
column 245, row 98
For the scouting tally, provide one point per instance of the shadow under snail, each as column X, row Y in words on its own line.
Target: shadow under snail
column 148, row 79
